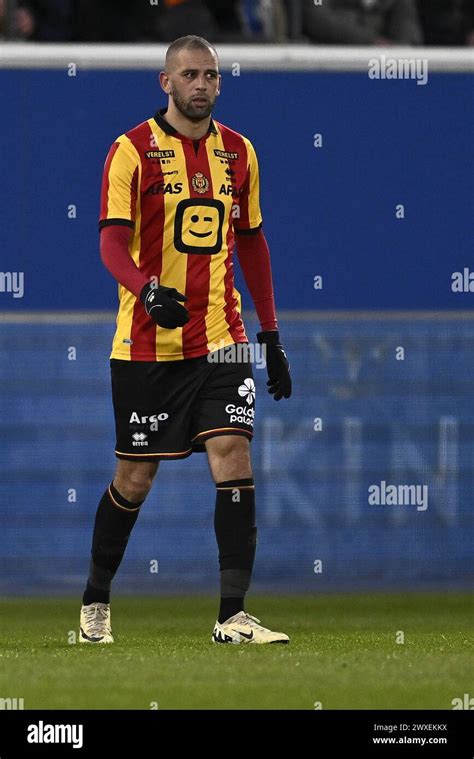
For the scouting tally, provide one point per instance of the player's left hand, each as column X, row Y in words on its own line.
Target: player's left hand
column 278, row 368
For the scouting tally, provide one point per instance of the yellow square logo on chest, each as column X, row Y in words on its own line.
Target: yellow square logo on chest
column 198, row 226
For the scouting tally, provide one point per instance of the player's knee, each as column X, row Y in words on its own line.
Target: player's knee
column 134, row 481
column 134, row 488
column 229, row 457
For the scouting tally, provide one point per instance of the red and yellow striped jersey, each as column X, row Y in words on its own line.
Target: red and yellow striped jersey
column 183, row 199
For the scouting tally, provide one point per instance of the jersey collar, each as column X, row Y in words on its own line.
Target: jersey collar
column 168, row 129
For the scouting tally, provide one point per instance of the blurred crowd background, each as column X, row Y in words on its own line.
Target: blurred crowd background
column 332, row 22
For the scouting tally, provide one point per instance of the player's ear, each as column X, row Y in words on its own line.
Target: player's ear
column 165, row 82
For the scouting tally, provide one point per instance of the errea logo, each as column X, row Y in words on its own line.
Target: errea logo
column 247, row 390
column 139, row 439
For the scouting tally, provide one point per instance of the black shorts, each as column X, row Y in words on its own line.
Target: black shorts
column 166, row 410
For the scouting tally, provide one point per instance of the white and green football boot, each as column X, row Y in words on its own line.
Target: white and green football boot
column 95, row 624
column 243, row 628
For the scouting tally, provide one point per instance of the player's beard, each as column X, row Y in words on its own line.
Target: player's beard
column 191, row 111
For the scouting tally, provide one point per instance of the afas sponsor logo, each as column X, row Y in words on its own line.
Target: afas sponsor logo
column 230, row 190
column 165, row 188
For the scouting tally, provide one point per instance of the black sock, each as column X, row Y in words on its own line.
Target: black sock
column 114, row 521
column 234, row 524
column 95, row 595
column 230, row 606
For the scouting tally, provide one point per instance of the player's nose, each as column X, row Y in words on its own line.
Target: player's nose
column 201, row 83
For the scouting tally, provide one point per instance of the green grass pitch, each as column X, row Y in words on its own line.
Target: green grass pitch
column 343, row 654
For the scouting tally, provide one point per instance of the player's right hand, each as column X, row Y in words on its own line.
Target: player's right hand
column 161, row 303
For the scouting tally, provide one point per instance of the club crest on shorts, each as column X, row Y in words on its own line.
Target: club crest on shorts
column 200, row 183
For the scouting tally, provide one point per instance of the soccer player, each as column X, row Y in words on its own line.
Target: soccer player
column 179, row 192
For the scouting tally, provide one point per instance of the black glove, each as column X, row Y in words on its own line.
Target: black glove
column 161, row 303
column 278, row 368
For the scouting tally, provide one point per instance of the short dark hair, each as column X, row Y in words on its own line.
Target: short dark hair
column 190, row 42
